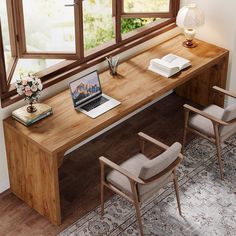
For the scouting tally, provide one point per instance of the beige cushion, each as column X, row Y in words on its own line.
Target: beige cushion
column 147, row 190
column 133, row 165
column 161, row 162
column 139, row 165
column 203, row 124
column 229, row 114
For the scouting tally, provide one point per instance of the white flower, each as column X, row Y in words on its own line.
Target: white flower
column 19, row 91
column 24, row 82
column 40, row 86
column 34, row 88
column 18, row 81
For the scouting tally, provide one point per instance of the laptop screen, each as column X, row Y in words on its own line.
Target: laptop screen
column 85, row 88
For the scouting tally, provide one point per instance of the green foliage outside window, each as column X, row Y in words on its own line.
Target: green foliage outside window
column 130, row 24
column 103, row 34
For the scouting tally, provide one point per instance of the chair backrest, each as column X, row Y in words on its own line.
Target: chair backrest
column 228, row 115
column 161, row 162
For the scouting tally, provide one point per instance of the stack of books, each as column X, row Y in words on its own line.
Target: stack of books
column 27, row 118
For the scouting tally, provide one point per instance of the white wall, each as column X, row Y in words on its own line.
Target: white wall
column 4, row 180
column 219, row 29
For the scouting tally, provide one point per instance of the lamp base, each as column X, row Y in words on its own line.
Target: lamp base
column 189, row 44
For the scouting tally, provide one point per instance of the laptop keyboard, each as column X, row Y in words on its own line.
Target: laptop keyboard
column 95, row 103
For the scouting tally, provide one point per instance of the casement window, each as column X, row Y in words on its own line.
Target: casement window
column 56, row 39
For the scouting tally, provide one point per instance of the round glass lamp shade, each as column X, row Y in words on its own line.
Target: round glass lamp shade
column 189, row 18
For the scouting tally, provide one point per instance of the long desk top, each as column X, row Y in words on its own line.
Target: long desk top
column 134, row 87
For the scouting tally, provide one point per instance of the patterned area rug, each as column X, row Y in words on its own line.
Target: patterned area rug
column 208, row 204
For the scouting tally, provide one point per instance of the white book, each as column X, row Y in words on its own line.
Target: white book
column 168, row 65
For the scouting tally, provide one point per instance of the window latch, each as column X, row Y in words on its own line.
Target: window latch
column 72, row 4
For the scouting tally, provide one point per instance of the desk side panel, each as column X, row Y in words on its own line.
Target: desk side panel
column 199, row 88
column 33, row 175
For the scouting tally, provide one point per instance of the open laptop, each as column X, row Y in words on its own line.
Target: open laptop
column 88, row 98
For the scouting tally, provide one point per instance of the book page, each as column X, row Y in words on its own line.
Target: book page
column 162, row 67
column 176, row 61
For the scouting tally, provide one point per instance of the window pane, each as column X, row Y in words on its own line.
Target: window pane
column 132, row 6
column 5, row 33
column 32, row 66
column 130, row 24
column 49, row 26
column 98, row 23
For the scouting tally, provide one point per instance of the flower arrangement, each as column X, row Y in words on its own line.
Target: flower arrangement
column 30, row 86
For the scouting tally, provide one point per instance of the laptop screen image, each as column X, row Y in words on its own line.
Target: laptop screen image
column 85, row 88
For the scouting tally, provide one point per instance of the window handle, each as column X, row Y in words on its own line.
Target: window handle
column 72, row 4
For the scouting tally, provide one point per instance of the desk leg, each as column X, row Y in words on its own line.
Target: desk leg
column 33, row 175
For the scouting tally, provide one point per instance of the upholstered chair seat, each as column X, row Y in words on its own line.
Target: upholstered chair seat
column 203, row 124
column 138, row 165
column 213, row 123
column 138, row 178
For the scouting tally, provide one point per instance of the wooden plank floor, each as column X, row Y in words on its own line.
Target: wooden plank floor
column 79, row 174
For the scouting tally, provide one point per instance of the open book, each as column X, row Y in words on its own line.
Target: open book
column 168, row 65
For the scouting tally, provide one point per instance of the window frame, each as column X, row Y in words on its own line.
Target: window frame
column 168, row 14
column 3, row 87
column 6, row 75
column 80, row 61
column 23, row 53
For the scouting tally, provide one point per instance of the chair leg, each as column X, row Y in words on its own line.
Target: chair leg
column 219, row 160
column 186, row 118
column 176, row 185
column 102, row 199
column 102, row 188
column 218, row 149
column 137, row 208
column 184, row 139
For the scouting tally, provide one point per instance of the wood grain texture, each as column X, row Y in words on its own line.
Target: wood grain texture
column 134, row 87
column 33, row 175
column 199, row 89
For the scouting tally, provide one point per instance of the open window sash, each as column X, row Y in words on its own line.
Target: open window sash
column 3, row 87
column 167, row 13
column 26, row 42
column 150, row 18
column 6, row 73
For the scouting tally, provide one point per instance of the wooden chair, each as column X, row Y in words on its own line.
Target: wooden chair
column 213, row 123
column 139, row 177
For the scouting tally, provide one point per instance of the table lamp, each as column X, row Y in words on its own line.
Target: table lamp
column 189, row 18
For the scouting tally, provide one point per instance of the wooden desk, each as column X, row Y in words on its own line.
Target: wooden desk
column 35, row 153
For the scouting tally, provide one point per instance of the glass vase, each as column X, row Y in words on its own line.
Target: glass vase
column 31, row 108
